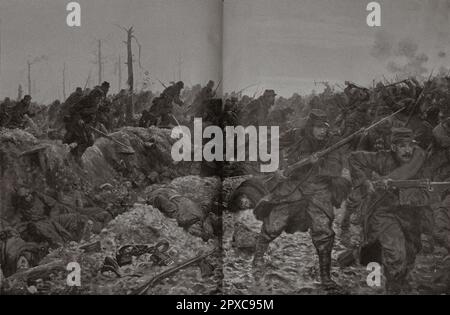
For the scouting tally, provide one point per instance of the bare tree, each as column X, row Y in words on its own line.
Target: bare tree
column 64, row 82
column 120, row 73
column 29, row 76
column 19, row 92
column 99, row 61
column 130, row 81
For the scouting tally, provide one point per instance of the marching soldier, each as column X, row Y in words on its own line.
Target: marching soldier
column 256, row 113
column 81, row 118
column 163, row 105
column 392, row 217
column 305, row 200
column 18, row 113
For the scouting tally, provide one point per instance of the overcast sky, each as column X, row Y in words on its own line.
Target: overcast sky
column 280, row 44
column 287, row 44
column 169, row 31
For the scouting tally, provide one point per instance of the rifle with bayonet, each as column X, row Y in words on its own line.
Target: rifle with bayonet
column 162, row 83
column 316, row 156
column 426, row 184
column 217, row 87
column 376, row 89
column 130, row 150
column 419, row 99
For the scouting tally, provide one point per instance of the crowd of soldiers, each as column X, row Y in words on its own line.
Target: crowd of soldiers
column 393, row 141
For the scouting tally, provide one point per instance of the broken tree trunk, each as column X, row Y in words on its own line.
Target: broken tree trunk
column 130, row 107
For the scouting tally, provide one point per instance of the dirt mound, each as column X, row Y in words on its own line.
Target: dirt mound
column 48, row 167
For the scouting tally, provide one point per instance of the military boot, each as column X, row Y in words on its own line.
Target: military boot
column 262, row 244
column 325, row 271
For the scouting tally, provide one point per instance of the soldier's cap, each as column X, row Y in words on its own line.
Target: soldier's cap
column 106, row 84
column 401, row 135
column 318, row 118
column 27, row 97
column 269, row 93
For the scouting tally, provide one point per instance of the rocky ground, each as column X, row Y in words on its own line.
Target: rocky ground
column 292, row 264
column 141, row 224
column 291, row 260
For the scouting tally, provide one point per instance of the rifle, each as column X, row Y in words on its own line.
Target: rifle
column 422, row 94
column 318, row 155
column 171, row 271
column 392, row 84
column 112, row 139
column 426, row 184
column 247, row 87
column 217, row 87
column 87, row 80
column 162, row 83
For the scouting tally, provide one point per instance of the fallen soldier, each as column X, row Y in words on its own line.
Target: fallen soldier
column 188, row 214
column 15, row 253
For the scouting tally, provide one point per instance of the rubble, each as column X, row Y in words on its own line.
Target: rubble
column 141, row 225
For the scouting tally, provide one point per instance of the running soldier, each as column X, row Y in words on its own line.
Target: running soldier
column 305, row 200
column 392, row 216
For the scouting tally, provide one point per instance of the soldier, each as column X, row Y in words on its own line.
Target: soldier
column 305, row 200
column 53, row 112
column 46, row 220
column 147, row 119
column 439, row 170
column 163, row 105
column 71, row 101
column 4, row 107
column 378, row 139
column 257, row 111
column 206, row 94
column 80, row 120
column 15, row 253
column 392, row 218
column 104, row 116
column 18, row 113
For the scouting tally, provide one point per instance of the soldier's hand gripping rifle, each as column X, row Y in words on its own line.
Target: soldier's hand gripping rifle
column 318, row 155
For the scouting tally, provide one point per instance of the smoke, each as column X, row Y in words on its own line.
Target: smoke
column 383, row 45
column 402, row 57
column 442, row 54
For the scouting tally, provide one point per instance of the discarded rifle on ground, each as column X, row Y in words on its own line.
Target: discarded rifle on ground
column 171, row 271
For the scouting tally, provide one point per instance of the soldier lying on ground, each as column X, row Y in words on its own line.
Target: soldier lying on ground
column 15, row 253
column 188, row 213
column 46, row 220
